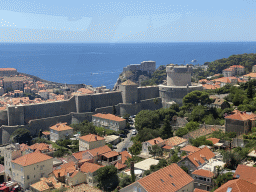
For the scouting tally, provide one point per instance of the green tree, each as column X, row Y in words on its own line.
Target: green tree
column 196, row 97
column 191, row 126
column 223, row 178
column 126, row 180
column 147, row 119
column 136, row 148
column 107, row 177
column 181, row 131
column 174, row 158
column 155, row 150
column 167, row 131
column 21, row 135
column 250, row 90
column 114, row 110
column 232, row 159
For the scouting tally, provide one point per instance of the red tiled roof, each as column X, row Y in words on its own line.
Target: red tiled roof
column 209, row 86
column 237, row 185
column 170, row 178
column 90, row 167
column 125, row 155
column 174, row 141
column 65, row 168
column 85, row 91
column 31, row 158
column 60, row 127
column 128, row 82
column 213, row 140
column 242, row 116
column 110, row 154
column 204, row 173
column 39, row 147
column 246, row 173
column 91, row 138
column 190, row 149
column 155, row 141
column 8, row 69
column 46, row 133
column 236, row 66
column 109, row 116
column 79, row 155
column 120, row 165
column 250, row 75
column 99, row 150
column 197, row 157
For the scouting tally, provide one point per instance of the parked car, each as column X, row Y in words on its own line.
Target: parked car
column 133, row 132
column 114, row 147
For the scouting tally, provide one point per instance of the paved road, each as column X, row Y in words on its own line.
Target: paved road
column 126, row 143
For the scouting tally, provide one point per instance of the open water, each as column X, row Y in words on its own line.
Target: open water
column 100, row 64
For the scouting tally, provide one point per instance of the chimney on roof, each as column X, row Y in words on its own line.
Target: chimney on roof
column 154, row 141
column 96, row 137
column 76, row 167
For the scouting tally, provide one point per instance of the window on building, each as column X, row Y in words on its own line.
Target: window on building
column 21, row 168
column 13, row 166
column 27, row 176
column 42, row 174
column 34, row 176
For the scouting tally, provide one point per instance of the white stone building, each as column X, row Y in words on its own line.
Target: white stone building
column 60, row 131
column 109, row 121
column 90, row 141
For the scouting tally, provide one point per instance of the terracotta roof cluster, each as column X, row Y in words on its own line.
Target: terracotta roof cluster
column 210, row 86
column 253, row 75
column 31, row 158
column 246, row 173
column 128, row 82
column 61, row 127
column 125, row 155
column 237, row 66
column 46, row 133
column 47, row 184
column 237, row 185
column 66, row 168
column 8, row 69
column 213, row 140
column 82, row 91
column 83, row 188
column 190, row 149
column 79, row 155
column 91, row 138
column 174, row 141
column 99, row 150
column 110, row 154
column 109, row 117
column 170, row 178
column 241, row 116
column 204, row 173
column 201, row 156
column 120, row 165
column 154, row 141
column 90, row 167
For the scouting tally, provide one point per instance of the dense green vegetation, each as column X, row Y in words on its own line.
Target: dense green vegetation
column 157, row 77
column 87, row 127
column 107, row 178
column 21, row 135
column 246, row 60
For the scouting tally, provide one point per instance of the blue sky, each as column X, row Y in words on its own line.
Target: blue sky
column 127, row 21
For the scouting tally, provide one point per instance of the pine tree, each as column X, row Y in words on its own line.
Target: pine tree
column 250, row 90
column 167, row 131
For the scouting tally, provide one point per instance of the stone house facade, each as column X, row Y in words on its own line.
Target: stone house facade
column 109, row 121
column 240, row 122
column 197, row 159
column 203, row 179
column 156, row 141
column 90, row 141
column 29, row 168
column 60, row 131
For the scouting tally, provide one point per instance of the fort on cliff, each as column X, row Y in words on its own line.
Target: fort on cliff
column 129, row 98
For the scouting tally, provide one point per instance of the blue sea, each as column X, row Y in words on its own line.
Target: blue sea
column 100, row 64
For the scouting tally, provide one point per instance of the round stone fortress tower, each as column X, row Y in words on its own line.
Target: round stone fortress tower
column 178, row 84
